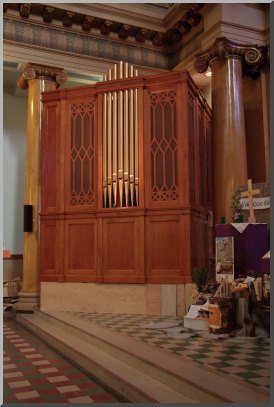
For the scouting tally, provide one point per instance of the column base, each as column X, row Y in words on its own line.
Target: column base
column 27, row 301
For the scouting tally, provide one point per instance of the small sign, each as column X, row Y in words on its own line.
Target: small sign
column 258, row 203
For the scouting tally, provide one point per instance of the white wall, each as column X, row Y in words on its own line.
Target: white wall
column 14, row 151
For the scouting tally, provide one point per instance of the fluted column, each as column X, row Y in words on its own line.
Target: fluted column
column 36, row 79
column 226, row 60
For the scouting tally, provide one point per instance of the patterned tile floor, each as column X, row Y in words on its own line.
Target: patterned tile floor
column 34, row 373
column 240, row 358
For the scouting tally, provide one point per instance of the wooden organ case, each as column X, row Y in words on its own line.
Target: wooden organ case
column 126, row 192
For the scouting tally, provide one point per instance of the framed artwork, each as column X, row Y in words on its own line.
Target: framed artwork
column 225, row 258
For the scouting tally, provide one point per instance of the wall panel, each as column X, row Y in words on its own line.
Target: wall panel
column 122, row 250
column 80, row 249
column 51, row 250
column 50, row 145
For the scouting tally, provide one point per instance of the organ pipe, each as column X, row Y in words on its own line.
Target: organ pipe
column 120, row 142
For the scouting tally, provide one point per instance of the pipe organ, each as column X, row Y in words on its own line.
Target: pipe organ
column 126, row 191
column 120, row 142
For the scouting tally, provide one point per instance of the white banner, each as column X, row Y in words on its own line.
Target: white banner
column 258, row 203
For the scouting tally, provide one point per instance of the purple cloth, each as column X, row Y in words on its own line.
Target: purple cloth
column 249, row 246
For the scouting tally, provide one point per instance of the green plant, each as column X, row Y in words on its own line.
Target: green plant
column 236, row 205
column 200, row 277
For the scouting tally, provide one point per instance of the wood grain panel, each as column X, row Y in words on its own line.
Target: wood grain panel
column 50, row 147
column 163, row 244
column 80, row 249
column 80, row 146
column 51, row 258
column 122, row 250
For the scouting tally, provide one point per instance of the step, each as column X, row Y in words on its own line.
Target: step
column 139, row 371
column 131, row 383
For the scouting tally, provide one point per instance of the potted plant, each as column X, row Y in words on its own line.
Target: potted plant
column 237, row 207
column 200, row 277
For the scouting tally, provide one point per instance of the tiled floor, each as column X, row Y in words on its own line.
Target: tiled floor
column 34, row 373
column 241, row 358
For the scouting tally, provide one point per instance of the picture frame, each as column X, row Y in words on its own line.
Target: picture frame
column 225, row 258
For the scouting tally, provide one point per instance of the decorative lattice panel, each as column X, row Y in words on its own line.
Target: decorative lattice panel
column 82, row 154
column 191, row 137
column 164, row 171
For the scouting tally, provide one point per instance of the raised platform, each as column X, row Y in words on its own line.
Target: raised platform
column 139, row 371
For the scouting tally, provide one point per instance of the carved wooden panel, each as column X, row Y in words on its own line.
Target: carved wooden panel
column 163, row 248
column 80, row 249
column 82, row 154
column 164, row 151
column 50, row 146
column 123, row 250
column 51, row 252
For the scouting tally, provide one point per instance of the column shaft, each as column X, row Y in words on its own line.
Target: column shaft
column 229, row 142
column 36, row 79
column 227, row 59
column 33, row 182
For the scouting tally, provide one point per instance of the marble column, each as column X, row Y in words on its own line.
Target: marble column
column 227, row 60
column 36, row 79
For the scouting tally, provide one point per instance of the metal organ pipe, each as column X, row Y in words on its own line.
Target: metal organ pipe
column 120, row 142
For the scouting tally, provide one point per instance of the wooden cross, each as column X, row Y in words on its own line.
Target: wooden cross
column 249, row 193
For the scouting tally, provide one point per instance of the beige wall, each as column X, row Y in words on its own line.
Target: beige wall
column 12, row 268
column 14, row 147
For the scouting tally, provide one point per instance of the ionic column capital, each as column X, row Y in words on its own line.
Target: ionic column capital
column 35, row 71
column 223, row 48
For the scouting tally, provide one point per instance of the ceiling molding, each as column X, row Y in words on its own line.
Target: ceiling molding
column 145, row 24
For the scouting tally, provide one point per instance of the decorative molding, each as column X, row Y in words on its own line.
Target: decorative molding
column 158, row 39
column 223, row 48
column 24, row 9
column 183, row 27
column 124, row 31
column 87, row 45
column 87, row 23
column 193, row 18
column 173, row 35
column 117, row 21
column 141, row 35
column 68, row 17
column 48, row 14
column 35, row 71
column 105, row 27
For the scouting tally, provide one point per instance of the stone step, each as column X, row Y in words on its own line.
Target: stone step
column 138, row 371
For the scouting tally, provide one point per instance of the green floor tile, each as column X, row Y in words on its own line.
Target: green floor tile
column 249, row 375
column 220, row 365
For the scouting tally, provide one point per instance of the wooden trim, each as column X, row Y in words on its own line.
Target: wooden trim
column 14, row 257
